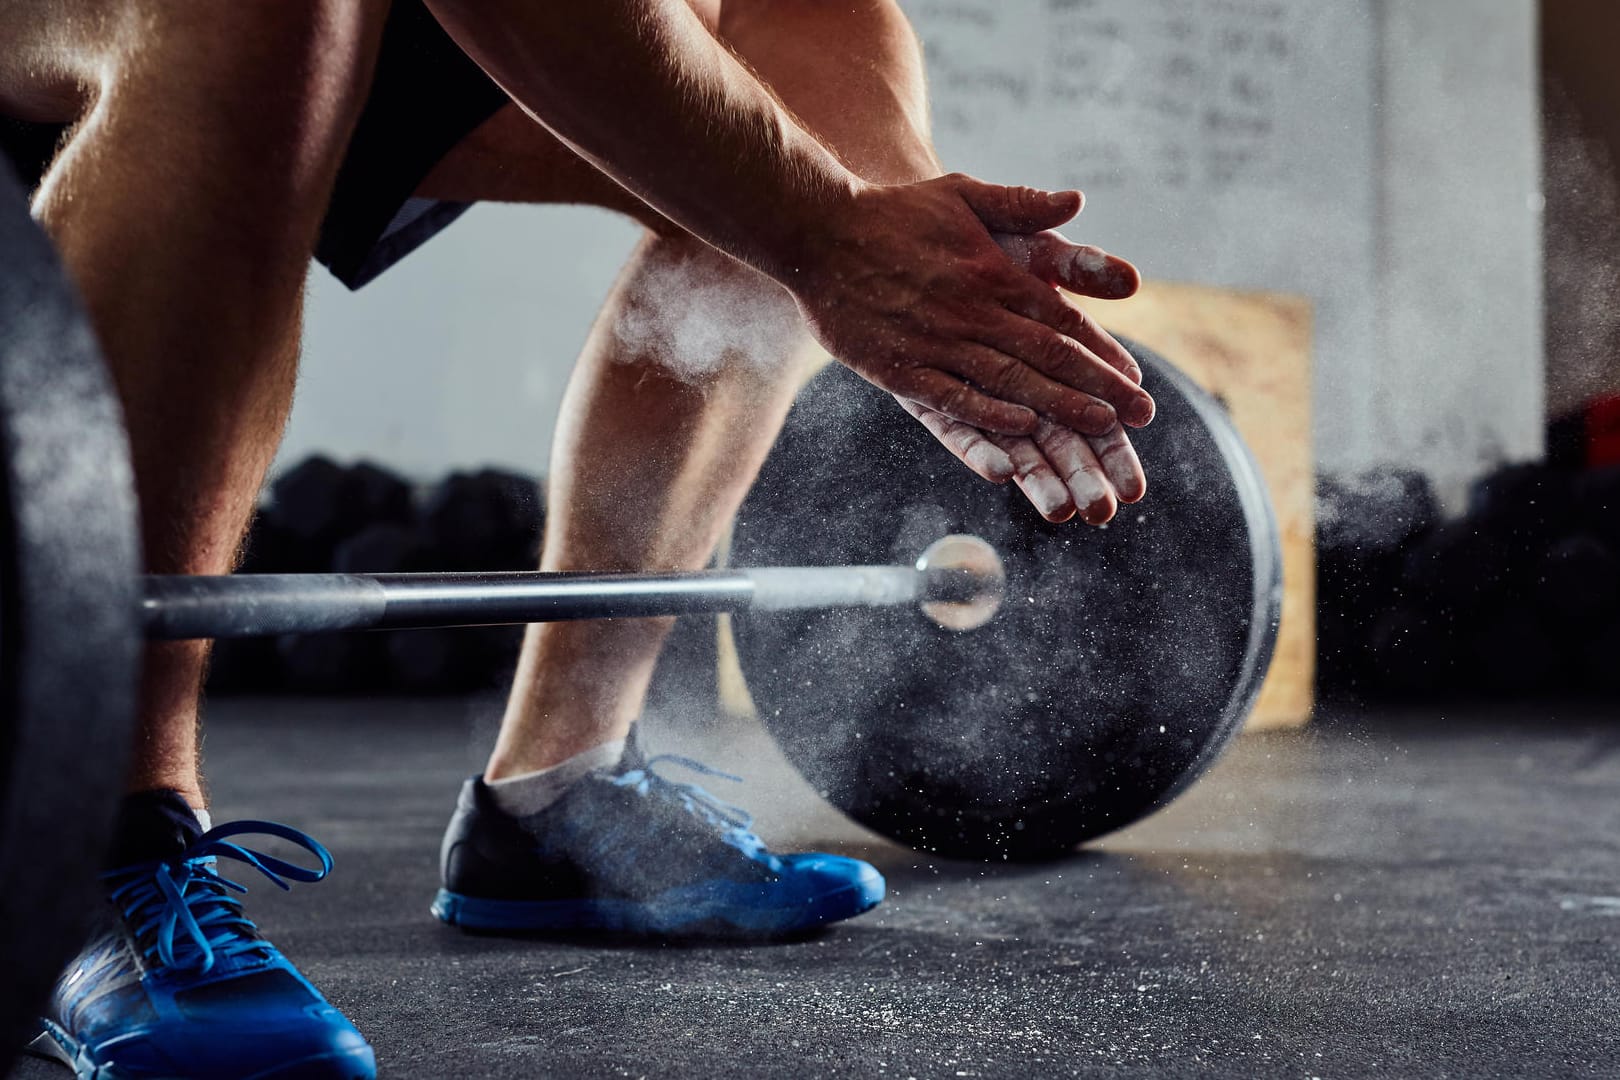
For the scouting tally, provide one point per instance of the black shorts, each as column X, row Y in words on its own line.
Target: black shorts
column 426, row 96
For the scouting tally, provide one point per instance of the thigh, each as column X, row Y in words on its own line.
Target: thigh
column 52, row 51
column 240, row 108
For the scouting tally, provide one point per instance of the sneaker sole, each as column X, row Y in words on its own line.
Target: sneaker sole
column 712, row 904
column 55, row 1044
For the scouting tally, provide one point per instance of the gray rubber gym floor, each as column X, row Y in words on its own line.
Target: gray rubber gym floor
column 1426, row 894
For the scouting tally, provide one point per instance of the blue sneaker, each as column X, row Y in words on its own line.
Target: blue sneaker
column 178, row 983
column 631, row 851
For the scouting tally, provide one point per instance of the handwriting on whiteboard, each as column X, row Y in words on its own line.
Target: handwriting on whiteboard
column 1173, row 94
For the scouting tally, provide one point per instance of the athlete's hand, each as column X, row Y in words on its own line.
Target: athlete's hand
column 907, row 286
column 1061, row 472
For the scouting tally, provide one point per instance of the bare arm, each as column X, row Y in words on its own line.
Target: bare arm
column 642, row 89
column 902, row 282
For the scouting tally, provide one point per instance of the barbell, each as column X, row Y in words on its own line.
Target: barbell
column 1016, row 689
column 957, row 582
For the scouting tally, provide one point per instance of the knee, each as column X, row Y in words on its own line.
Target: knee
column 686, row 310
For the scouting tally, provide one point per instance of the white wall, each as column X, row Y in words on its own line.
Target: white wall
column 458, row 355
column 1460, row 377
column 1381, row 156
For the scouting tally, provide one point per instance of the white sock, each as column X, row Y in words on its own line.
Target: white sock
column 531, row 792
column 203, row 819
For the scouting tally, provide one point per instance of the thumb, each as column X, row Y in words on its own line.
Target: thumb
column 1018, row 209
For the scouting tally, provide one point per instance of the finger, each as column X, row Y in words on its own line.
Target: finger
column 1017, row 209
column 1036, row 478
column 969, row 444
column 1007, row 378
column 959, row 401
column 1036, row 254
column 1076, row 464
column 1080, row 268
column 1051, row 373
column 1121, row 464
column 1051, row 309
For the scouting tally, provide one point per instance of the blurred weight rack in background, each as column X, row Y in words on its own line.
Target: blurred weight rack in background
column 1519, row 596
column 319, row 516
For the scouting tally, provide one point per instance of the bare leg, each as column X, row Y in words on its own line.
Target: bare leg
column 647, row 469
column 185, row 208
column 652, row 455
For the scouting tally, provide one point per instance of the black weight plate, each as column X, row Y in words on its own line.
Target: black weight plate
column 1119, row 665
column 68, row 638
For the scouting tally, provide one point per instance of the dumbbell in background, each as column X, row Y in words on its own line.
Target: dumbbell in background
column 1520, row 595
column 319, row 516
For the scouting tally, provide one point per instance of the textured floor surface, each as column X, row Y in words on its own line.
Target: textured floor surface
column 1393, row 896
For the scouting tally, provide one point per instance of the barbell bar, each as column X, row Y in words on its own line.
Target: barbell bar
column 957, row 582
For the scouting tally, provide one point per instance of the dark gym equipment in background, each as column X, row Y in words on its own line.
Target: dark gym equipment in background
column 1520, row 595
column 322, row 517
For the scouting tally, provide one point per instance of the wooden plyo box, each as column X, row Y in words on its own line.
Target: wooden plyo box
column 1252, row 351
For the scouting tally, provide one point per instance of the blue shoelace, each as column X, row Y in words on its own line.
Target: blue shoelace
column 733, row 822
column 189, row 915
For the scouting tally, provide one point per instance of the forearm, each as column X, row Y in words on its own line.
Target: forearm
column 643, row 90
